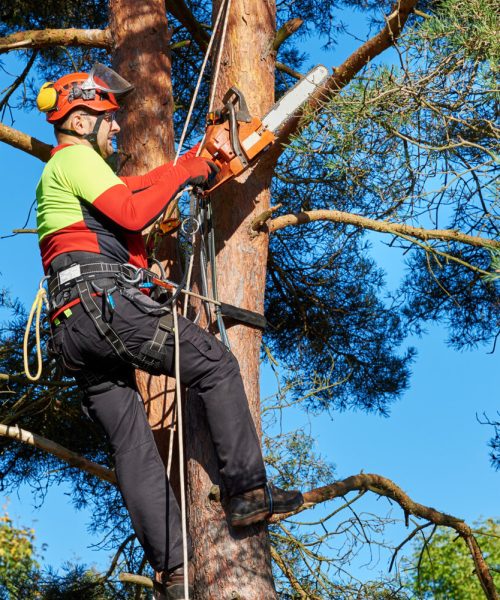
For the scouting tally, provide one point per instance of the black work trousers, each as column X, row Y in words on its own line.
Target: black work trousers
column 206, row 367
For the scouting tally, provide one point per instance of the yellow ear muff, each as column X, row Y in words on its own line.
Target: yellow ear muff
column 47, row 97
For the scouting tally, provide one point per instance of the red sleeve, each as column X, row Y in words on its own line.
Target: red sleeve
column 134, row 212
column 141, row 182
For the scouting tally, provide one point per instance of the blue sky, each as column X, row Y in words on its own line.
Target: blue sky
column 432, row 444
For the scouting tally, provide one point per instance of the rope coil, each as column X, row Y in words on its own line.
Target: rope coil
column 36, row 311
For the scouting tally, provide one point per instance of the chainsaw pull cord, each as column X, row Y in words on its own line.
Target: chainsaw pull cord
column 40, row 299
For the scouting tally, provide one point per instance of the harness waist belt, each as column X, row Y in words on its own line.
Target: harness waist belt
column 67, row 278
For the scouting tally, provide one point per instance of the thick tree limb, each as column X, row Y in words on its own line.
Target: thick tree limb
column 338, row 216
column 181, row 12
column 345, row 73
column 72, row 458
column 137, row 579
column 46, row 38
column 25, row 142
column 385, row 487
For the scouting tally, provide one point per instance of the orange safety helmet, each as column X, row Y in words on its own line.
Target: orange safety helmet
column 96, row 90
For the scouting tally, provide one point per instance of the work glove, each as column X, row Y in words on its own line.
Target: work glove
column 201, row 171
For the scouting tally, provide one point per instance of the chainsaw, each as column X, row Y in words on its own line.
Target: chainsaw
column 235, row 140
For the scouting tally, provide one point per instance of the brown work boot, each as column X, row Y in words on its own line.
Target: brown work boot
column 259, row 504
column 173, row 582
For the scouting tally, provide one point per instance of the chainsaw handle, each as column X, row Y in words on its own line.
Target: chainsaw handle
column 233, row 135
column 232, row 95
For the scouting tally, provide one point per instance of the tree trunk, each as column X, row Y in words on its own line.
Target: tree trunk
column 231, row 564
column 141, row 40
column 228, row 564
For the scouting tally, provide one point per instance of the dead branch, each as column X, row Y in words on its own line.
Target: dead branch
column 47, row 38
column 25, row 142
column 19, row 80
column 288, row 573
column 72, row 458
column 338, row 216
column 385, row 487
column 288, row 70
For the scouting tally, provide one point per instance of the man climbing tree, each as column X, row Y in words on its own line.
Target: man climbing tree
column 322, row 294
column 89, row 225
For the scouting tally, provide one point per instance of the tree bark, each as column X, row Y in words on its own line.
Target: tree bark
column 141, row 55
column 231, row 564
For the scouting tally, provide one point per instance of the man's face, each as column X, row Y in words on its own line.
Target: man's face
column 107, row 131
column 84, row 123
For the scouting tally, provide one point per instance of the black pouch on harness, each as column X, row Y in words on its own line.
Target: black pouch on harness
column 154, row 352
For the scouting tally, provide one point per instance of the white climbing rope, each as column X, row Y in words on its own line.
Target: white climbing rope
column 224, row 6
column 180, row 438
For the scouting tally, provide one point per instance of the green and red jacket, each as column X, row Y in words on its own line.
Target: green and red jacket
column 83, row 206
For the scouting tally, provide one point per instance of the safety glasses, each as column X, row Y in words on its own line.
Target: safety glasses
column 109, row 117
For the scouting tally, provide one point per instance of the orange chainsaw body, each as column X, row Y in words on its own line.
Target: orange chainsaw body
column 234, row 143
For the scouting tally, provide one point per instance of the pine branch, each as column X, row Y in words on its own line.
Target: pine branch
column 47, row 38
column 338, row 216
column 25, row 142
column 342, row 75
column 72, row 458
column 385, row 487
column 288, row 70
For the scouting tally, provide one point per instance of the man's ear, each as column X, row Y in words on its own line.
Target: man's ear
column 78, row 122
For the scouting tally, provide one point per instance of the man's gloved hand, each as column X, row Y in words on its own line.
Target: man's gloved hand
column 201, row 171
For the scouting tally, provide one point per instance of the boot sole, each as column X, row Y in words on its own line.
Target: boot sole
column 263, row 514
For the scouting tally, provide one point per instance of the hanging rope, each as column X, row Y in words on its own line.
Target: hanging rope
column 180, row 438
column 36, row 308
column 186, row 284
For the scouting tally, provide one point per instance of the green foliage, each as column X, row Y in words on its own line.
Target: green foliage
column 467, row 27
column 18, row 566
column 446, row 570
column 412, row 142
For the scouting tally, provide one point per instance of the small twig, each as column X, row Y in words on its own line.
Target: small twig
column 406, row 540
